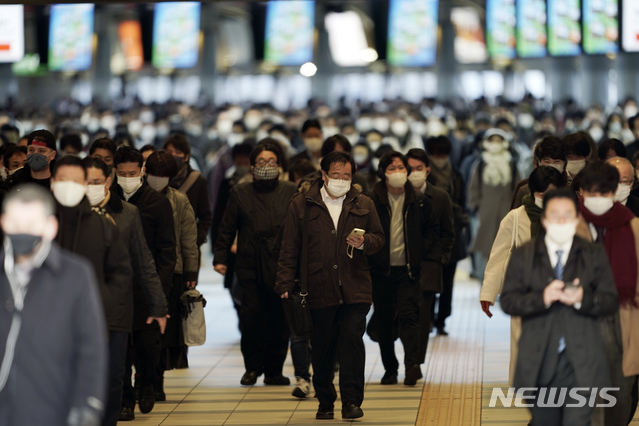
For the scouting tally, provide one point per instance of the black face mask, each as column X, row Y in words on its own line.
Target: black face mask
column 24, row 244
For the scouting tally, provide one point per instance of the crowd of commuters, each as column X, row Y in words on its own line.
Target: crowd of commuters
column 384, row 199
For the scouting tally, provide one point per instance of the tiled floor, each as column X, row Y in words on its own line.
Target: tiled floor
column 460, row 373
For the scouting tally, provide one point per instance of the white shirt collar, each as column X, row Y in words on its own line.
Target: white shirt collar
column 328, row 199
column 552, row 248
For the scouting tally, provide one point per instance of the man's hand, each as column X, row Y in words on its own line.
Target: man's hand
column 355, row 240
column 191, row 284
column 284, row 296
column 220, row 269
column 161, row 322
column 553, row 292
column 485, row 306
column 570, row 296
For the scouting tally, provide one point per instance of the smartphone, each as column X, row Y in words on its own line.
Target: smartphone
column 356, row 232
column 571, row 285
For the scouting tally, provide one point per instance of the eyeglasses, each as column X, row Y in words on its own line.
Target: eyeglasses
column 626, row 182
column 262, row 162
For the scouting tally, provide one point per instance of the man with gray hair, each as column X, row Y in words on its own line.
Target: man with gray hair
column 626, row 182
column 53, row 349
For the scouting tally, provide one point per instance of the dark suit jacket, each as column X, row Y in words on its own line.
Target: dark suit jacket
column 528, row 274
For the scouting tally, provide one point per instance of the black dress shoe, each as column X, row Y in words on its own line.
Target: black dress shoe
column 389, row 378
column 441, row 331
column 325, row 414
column 413, row 374
column 351, row 411
column 278, row 380
column 147, row 399
column 249, row 378
column 126, row 414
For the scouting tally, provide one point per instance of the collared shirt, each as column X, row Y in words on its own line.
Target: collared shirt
column 397, row 243
column 334, row 206
column 552, row 248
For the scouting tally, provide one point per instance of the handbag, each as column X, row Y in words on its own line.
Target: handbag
column 296, row 310
column 193, row 323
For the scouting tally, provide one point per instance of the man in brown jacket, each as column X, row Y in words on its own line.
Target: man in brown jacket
column 339, row 283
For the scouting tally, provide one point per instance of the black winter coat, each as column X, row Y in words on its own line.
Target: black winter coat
column 157, row 222
column 97, row 239
column 146, row 282
column 421, row 229
column 256, row 217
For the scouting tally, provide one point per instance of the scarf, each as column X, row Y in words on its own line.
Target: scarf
column 620, row 246
column 534, row 214
column 498, row 168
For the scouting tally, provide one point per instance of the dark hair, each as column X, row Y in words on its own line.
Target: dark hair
column 543, row 176
column 631, row 121
column 331, row 142
column 30, row 193
column 103, row 143
column 576, row 143
column 549, row 147
column 178, row 142
column 243, row 149
column 599, row 177
column 161, row 164
column 386, row 161
column 419, row 155
column 311, row 123
column 96, row 163
column 73, row 140
column 279, row 128
column 148, row 147
column 337, row 157
column 560, row 193
column 300, row 168
column 10, row 151
column 128, row 154
column 635, row 158
column 439, row 145
column 70, row 160
column 614, row 144
column 267, row 144
column 123, row 138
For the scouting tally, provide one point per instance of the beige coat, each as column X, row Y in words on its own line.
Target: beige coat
column 187, row 260
column 628, row 315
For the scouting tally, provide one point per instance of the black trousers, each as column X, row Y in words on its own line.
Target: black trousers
column 117, row 359
column 444, row 307
column 562, row 416
column 396, row 304
column 338, row 335
column 426, row 302
column 144, row 352
column 264, row 329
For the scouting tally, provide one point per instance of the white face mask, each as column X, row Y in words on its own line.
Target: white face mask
column 313, row 144
column 539, row 202
column 14, row 170
column 375, row 164
column 575, row 166
column 396, row 180
column 373, row 145
column 353, row 138
column 130, row 184
column 615, row 127
column 360, row 159
column 382, row 124
column 596, row 133
column 157, row 183
column 494, row 147
column 440, row 163
column 559, row 167
column 598, row 205
column 622, row 193
column 561, row 233
column 68, row 193
column 399, row 128
column 417, row 178
column 338, row 187
column 96, row 194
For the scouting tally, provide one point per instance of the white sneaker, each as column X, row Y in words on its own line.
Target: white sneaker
column 302, row 388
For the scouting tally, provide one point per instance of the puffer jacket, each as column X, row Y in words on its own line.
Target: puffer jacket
column 333, row 277
column 186, row 261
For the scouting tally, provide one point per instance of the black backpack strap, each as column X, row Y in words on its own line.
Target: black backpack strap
column 304, row 266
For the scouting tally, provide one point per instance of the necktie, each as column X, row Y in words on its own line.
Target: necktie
column 559, row 274
column 600, row 234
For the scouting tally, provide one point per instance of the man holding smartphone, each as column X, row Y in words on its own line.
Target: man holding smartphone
column 339, row 284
